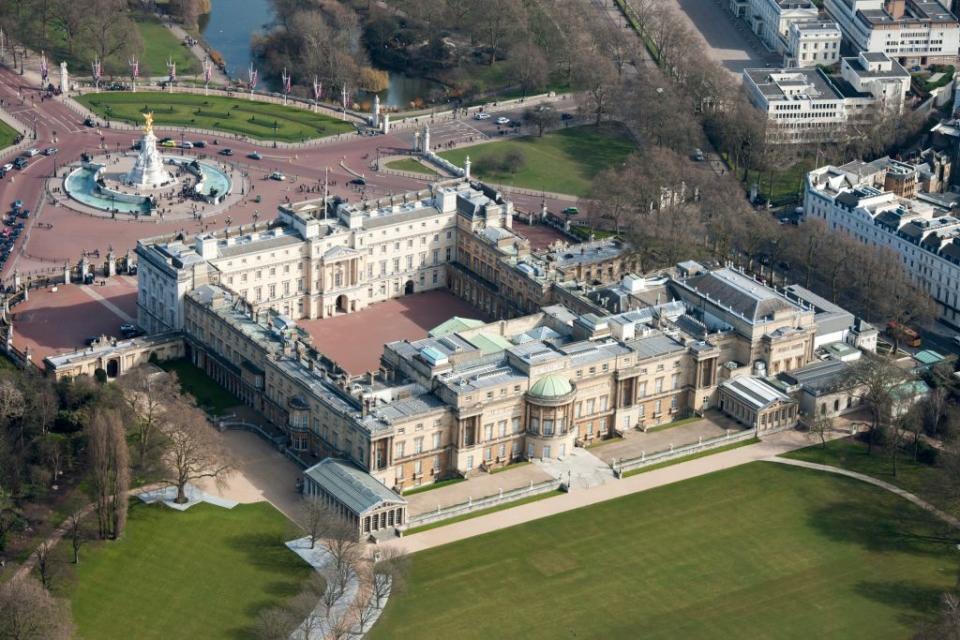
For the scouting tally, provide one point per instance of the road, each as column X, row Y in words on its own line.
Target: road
column 71, row 233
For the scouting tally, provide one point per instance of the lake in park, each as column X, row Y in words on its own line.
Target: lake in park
column 231, row 24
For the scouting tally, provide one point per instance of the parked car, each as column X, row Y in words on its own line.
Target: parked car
column 199, row 144
column 168, row 143
column 90, row 122
column 49, row 151
column 227, row 151
column 276, row 175
column 697, row 155
column 186, row 144
column 502, row 120
column 32, row 151
column 16, row 204
column 253, row 155
column 24, row 213
column 21, row 163
column 481, row 116
column 7, row 167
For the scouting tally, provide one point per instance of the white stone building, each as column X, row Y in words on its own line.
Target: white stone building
column 853, row 199
column 311, row 266
column 770, row 20
column 913, row 32
column 806, row 105
column 813, row 42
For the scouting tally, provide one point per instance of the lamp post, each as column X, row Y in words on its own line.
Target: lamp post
column 275, row 134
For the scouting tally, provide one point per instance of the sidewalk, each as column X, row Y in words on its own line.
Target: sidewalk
column 218, row 76
column 773, row 446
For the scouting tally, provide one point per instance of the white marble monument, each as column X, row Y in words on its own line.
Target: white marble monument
column 148, row 171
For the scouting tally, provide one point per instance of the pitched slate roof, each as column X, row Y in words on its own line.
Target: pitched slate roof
column 354, row 488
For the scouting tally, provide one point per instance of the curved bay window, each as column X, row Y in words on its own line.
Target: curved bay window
column 298, row 423
column 549, row 413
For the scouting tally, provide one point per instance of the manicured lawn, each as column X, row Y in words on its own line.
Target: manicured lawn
column 209, row 395
column 562, row 161
column 758, row 551
column 159, row 44
column 483, row 512
column 7, row 135
column 234, row 115
column 203, row 573
column 411, row 165
column 915, row 477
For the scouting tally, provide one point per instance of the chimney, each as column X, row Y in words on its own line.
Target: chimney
column 895, row 8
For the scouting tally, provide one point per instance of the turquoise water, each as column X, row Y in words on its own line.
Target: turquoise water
column 82, row 187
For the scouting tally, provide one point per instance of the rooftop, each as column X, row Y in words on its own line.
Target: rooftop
column 354, row 488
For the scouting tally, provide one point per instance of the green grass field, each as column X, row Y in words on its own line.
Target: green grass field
column 758, row 551
column 159, row 44
column 562, row 161
column 233, row 115
column 7, row 135
column 210, row 396
column 204, row 573
column 917, row 478
column 411, row 165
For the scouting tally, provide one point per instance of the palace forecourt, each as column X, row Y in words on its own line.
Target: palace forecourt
column 495, row 352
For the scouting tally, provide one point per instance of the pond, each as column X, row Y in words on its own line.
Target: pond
column 231, row 24
column 403, row 90
column 228, row 29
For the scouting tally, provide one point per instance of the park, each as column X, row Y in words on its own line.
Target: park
column 784, row 552
column 256, row 119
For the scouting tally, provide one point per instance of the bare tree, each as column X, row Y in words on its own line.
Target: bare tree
column 109, row 471
column 363, row 609
column 77, row 533
column 390, row 570
column 316, row 518
column 44, row 563
column 29, row 612
column 877, row 377
column 194, row 451
column 820, row 427
column 947, row 626
column 147, row 392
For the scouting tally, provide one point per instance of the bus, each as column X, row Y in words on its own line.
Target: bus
column 903, row 334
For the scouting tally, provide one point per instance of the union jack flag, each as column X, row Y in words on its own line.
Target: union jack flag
column 286, row 81
column 253, row 76
column 317, row 88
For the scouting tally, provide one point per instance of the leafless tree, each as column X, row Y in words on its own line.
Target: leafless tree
column 194, row 450
column 362, row 608
column 391, row 571
column 878, row 378
column 947, row 626
column 147, row 392
column 44, row 563
column 316, row 518
column 29, row 612
column 77, row 533
column 109, row 471
column 821, row 426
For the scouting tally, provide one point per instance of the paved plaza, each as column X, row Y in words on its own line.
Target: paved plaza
column 726, row 40
column 481, row 486
column 635, row 443
column 355, row 340
column 59, row 319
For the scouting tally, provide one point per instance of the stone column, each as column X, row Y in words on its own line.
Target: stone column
column 64, row 78
column 416, row 141
column 375, row 112
column 84, row 268
column 16, row 279
column 466, row 167
column 111, row 265
column 66, row 273
column 426, row 139
column 386, row 123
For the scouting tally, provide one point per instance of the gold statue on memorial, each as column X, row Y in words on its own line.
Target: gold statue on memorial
column 148, row 122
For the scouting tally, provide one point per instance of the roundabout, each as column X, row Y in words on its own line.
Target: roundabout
column 147, row 183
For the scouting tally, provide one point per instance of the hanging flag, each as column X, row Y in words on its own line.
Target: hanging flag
column 286, row 82
column 134, row 68
column 317, row 88
column 43, row 67
column 95, row 67
column 172, row 68
column 253, row 76
column 207, row 71
column 343, row 96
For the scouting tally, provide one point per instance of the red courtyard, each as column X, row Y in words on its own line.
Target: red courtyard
column 355, row 341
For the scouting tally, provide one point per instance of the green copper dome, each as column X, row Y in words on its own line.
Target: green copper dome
column 551, row 386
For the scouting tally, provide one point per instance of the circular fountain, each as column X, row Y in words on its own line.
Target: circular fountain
column 146, row 182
